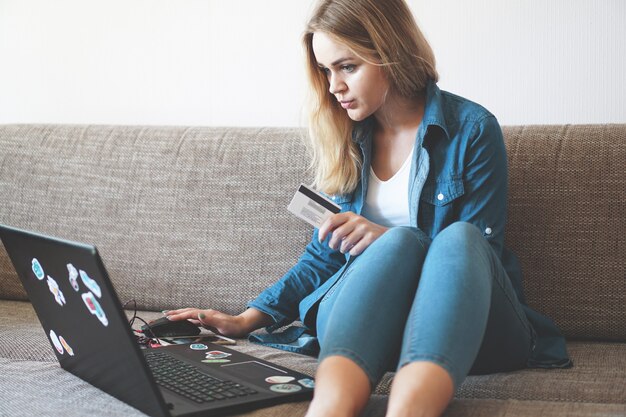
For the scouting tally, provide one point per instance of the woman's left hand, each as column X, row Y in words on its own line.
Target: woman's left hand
column 350, row 232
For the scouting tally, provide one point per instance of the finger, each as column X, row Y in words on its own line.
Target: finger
column 324, row 229
column 342, row 233
column 212, row 319
column 361, row 246
column 346, row 246
column 177, row 311
column 348, row 234
column 331, row 223
column 191, row 313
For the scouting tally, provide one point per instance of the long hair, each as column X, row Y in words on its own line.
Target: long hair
column 381, row 32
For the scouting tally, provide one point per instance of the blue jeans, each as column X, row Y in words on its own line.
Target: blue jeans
column 407, row 298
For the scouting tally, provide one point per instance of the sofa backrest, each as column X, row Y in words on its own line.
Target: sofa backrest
column 567, row 223
column 197, row 216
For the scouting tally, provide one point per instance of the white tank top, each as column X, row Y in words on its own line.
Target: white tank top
column 387, row 202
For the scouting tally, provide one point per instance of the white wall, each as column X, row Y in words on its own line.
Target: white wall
column 239, row 62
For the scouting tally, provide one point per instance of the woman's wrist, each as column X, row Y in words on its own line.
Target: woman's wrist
column 253, row 319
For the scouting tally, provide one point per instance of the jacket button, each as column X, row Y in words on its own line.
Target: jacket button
column 440, row 197
column 488, row 231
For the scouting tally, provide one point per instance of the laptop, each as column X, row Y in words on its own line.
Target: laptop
column 83, row 318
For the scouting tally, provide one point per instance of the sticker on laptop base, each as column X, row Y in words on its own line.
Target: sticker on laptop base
column 217, row 354
column 281, row 379
column 307, row 383
column 90, row 283
column 198, row 346
column 285, row 388
column 215, row 360
column 56, row 342
column 73, row 277
column 54, row 289
column 37, row 269
column 94, row 307
column 67, row 347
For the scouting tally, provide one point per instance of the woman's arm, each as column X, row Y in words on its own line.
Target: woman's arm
column 233, row 326
column 486, row 183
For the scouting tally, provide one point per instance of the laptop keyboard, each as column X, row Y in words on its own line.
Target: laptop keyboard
column 184, row 379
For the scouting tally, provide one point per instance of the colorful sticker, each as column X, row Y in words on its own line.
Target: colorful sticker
column 279, row 379
column 94, row 307
column 56, row 342
column 67, row 347
column 307, row 383
column 90, row 283
column 198, row 346
column 215, row 361
column 73, row 276
column 37, row 269
column 285, row 388
column 54, row 289
column 217, row 354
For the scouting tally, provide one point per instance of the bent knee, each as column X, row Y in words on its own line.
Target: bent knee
column 402, row 240
column 404, row 237
column 460, row 233
column 462, row 229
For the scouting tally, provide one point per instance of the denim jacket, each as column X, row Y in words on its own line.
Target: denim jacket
column 458, row 173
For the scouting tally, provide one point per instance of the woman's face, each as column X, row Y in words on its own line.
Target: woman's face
column 358, row 86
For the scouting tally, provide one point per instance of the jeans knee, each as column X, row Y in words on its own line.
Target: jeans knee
column 460, row 233
column 404, row 239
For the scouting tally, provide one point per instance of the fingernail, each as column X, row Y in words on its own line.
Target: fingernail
column 201, row 316
column 164, row 312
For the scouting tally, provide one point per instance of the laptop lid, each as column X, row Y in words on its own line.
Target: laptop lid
column 82, row 317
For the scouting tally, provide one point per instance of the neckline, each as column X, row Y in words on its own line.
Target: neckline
column 397, row 173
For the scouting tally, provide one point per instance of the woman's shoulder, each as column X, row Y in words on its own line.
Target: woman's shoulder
column 460, row 110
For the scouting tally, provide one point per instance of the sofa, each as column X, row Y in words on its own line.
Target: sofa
column 196, row 216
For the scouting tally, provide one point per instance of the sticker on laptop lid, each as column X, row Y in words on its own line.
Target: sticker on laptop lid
column 311, row 206
column 94, row 307
column 73, row 277
column 285, row 388
column 37, row 269
column 53, row 286
column 67, row 347
column 90, row 283
column 280, row 379
column 56, row 342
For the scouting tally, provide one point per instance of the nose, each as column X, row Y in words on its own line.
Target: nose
column 336, row 84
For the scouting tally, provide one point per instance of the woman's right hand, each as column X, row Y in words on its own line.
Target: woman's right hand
column 222, row 323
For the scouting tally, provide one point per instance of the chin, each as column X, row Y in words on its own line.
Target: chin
column 357, row 116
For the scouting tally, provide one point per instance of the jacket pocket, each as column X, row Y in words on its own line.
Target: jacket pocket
column 437, row 208
column 441, row 193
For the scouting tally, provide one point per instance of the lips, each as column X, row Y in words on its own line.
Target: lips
column 346, row 104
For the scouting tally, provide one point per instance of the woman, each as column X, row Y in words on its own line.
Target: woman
column 412, row 274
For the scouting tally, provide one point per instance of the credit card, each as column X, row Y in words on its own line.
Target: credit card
column 311, row 206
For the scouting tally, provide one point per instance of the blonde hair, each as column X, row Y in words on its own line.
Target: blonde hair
column 382, row 32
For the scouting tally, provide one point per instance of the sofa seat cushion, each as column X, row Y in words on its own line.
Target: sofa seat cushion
column 22, row 382
column 598, row 374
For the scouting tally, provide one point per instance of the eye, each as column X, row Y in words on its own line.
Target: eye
column 348, row 68
column 325, row 70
